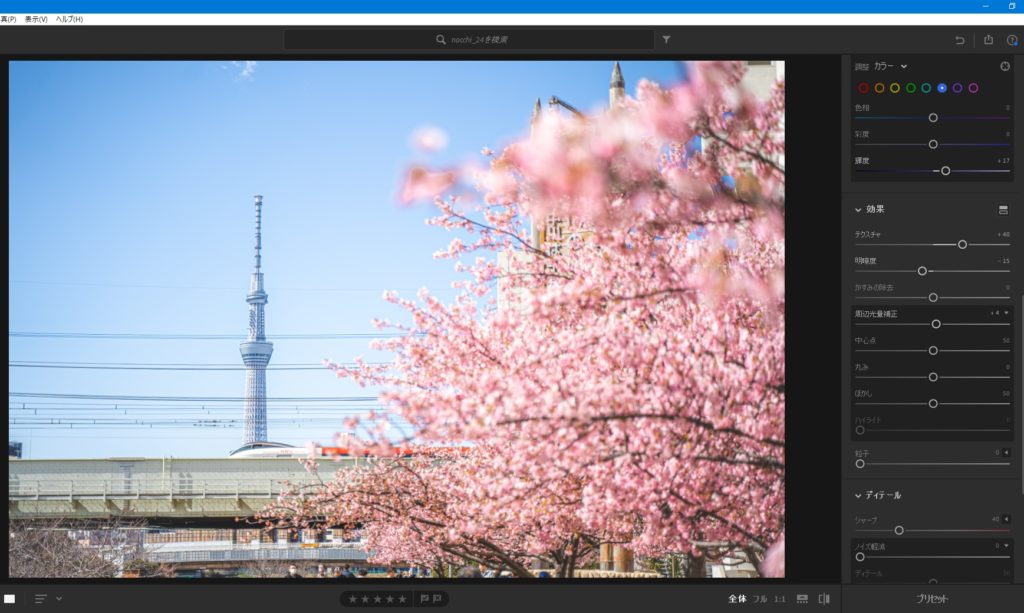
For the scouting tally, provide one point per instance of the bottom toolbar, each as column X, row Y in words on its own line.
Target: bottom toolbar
column 513, row 595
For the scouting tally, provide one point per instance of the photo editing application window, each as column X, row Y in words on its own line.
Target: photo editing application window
column 516, row 306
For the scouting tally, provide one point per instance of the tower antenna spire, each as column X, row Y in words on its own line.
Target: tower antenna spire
column 259, row 245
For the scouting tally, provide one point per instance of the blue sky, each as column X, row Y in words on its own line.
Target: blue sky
column 131, row 211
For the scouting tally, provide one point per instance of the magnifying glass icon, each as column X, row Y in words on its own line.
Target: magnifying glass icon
column 440, row 39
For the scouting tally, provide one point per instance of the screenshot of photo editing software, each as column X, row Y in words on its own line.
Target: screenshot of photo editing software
column 514, row 306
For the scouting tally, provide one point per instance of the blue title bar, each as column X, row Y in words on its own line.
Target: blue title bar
column 39, row 7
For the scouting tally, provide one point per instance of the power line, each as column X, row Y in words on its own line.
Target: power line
column 210, row 364
column 172, row 368
column 210, row 409
column 14, row 405
column 305, row 410
column 157, row 366
column 46, row 422
column 144, row 363
column 126, row 421
column 170, row 422
column 46, row 415
column 230, row 288
column 162, row 368
column 167, row 434
column 278, row 405
column 190, row 398
column 197, row 337
column 205, row 436
column 79, row 427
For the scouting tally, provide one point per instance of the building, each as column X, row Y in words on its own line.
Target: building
column 761, row 77
column 13, row 449
column 551, row 233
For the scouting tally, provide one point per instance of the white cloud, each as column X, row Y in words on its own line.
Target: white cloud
column 247, row 68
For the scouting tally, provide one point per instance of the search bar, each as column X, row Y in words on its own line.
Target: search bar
column 493, row 39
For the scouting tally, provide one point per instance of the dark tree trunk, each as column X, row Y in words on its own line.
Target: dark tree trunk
column 697, row 566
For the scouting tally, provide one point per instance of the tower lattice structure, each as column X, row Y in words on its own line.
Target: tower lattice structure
column 256, row 351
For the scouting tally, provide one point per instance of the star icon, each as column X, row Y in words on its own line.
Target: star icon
column 401, row 599
column 376, row 599
column 391, row 598
column 366, row 599
column 351, row 598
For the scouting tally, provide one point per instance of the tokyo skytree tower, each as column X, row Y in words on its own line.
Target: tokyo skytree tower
column 256, row 351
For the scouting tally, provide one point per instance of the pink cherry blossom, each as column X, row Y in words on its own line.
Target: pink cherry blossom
column 774, row 563
column 622, row 380
column 422, row 183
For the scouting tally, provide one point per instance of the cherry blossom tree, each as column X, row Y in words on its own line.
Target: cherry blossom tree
column 436, row 509
column 629, row 386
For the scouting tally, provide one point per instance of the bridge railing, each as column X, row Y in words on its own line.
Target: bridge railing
column 255, row 545
column 247, row 554
column 77, row 489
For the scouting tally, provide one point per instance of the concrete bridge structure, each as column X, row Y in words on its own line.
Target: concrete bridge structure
column 200, row 491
